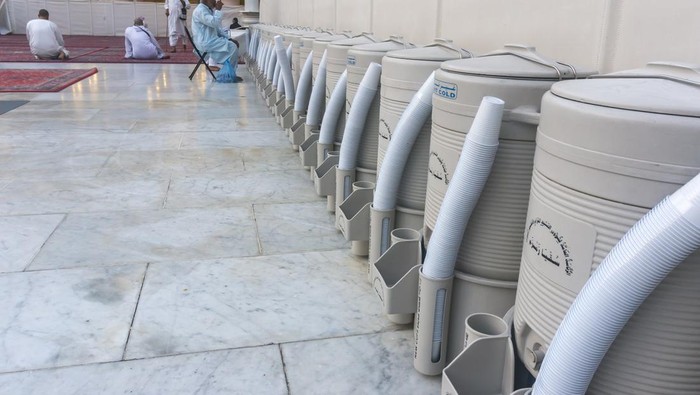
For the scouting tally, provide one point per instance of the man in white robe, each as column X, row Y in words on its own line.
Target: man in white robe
column 140, row 43
column 45, row 40
column 210, row 37
column 176, row 11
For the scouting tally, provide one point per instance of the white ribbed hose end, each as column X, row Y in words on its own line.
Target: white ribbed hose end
column 402, row 140
column 642, row 259
column 687, row 201
column 333, row 109
column 425, row 93
column 487, row 123
column 354, row 128
column 372, row 76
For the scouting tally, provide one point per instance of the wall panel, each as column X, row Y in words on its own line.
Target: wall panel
column 569, row 31
column 354, row 15
column 641, row 31
column 306, row 13
column 268, row 11
column 288, row 12
column 324, row 14
column 415, row 20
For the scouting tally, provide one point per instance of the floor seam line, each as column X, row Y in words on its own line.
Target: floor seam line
column 284, row 367
column 65, row 215
column 136, row 308
column 167, row 191
column 257, row 231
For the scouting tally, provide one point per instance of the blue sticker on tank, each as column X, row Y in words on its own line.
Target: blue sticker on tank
column 352, row 60
column 445, row 89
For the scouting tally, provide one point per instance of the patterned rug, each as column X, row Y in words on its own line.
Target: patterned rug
column 89, row 49
column 41, row 80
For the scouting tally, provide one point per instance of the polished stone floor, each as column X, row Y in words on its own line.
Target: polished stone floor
column 159, row 236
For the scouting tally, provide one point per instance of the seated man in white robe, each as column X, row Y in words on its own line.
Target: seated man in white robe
column 140, row 43
column 210, row 37
column 45, row 40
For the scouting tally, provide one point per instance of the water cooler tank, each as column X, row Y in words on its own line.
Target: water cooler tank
column 489, row 255
column 358, row 60
column 306, row 45
column 319, row 47
column 337, row 59
column 609, row 149
column 403, row 73
column 294, row 37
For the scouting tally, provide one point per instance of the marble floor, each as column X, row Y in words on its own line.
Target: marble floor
column 159, row 236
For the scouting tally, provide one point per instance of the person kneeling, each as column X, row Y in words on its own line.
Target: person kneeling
column 45, row 40
column 140, row 43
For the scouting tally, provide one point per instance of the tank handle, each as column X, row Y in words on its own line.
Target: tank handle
column 524, row 114
column 447, row 44
column 399, row 40
column 684, row 73
column 369, row 35
column 529, row 53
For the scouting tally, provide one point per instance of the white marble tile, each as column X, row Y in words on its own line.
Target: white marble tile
column 275, row 138
column 208, row 305
column 53, row 115
column 297, row 227
column 271, row 158
column 68, row 317
column 240, row 188
column 52, row 165
column 21, row 237
column 177, row 163
column 244, row 371
column 227, row 124
column 81, row 195
column 368, row 364
column 149, row 236
column 68, row 144
column 19, row 126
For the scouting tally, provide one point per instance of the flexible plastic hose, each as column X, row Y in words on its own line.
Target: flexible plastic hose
column 355, row 126
column 318, row 95
column 471, row 173
column 285, row 68
column 276, row 82
column 645, row 255
column 333, row 109
column 261, row 57
column 256, row 47
column 301, row 100
column 265, row 56
column 405, row 134
column 252, row 45
column 271, row 63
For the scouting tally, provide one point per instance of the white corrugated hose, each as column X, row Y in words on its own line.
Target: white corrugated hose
column 648, row 252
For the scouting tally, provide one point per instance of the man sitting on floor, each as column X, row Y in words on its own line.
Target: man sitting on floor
column 140, row 43
column 210, row 37
column 45, row 40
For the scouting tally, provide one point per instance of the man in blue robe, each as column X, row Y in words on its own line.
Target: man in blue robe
column 210, row 37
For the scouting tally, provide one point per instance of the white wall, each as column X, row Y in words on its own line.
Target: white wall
column 607, row 35
column 649, row 30
column 324, row 13
column 417, row 24
column 99, row 18
column 354, row 15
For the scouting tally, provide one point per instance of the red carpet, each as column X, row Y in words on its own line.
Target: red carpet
column 40, row 80
column 88, row 49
